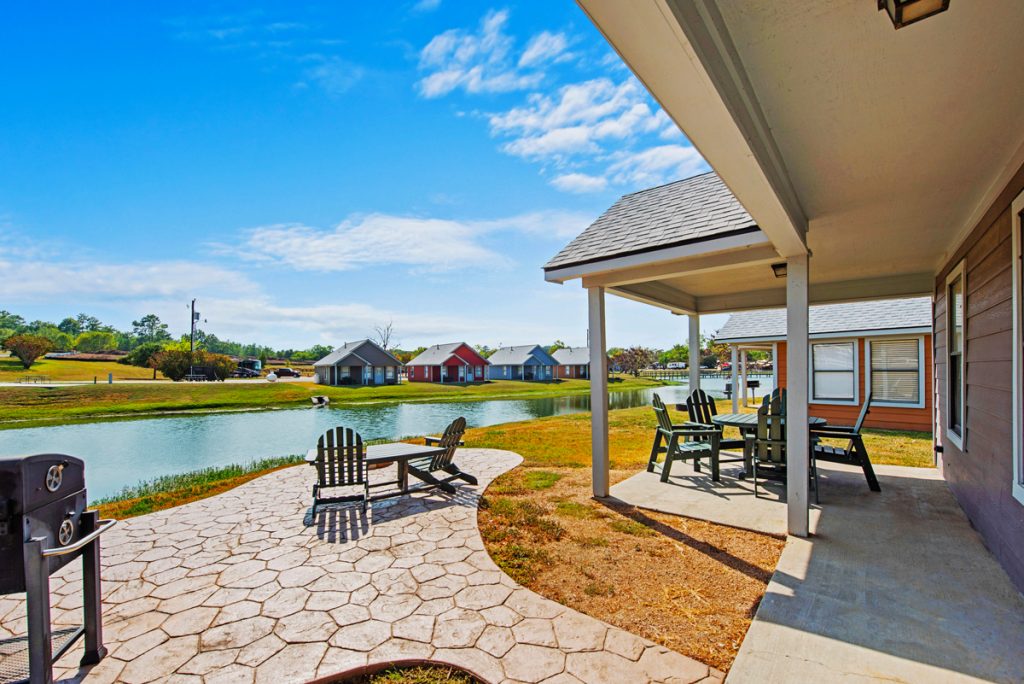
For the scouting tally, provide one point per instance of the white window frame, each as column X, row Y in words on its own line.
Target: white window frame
column 921, row 371
column 856, row 373
column 1018, row 340
column 958, row 440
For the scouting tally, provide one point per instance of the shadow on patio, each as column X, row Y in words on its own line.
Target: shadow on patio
column 894, row 585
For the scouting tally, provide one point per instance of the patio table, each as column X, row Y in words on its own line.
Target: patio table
column 398, row 452
column 747, row 423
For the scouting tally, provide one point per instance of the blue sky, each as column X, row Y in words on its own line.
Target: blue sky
column 308, row 172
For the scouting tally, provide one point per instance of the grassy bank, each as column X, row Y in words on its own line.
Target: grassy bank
column 59, row 370
column 35, row 406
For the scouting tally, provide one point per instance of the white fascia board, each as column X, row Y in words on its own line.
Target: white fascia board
column 834, row 335
column 655, row 256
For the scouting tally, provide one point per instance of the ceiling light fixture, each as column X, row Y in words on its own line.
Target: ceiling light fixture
column 779, row 269
column 906, row 12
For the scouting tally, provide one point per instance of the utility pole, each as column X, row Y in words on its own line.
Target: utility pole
column 192, row 340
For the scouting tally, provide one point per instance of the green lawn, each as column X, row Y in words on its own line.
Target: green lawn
column 57, row 370
column 30, row 406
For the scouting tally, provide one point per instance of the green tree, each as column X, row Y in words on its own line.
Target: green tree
column 481, row 349
column 59, row 340
column 149, row 328
column 142, row 354
column 70, row 326
column 7, row 332
column 634, row 359
column 28, row 348
column 173, row 363
column 558, row 344
column 678, row 353
column 263, row 357
column 12, row 321
column 95, row 341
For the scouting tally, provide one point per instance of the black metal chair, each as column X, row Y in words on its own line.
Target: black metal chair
column 854, row 453
column 425, row 468
column 340, row 462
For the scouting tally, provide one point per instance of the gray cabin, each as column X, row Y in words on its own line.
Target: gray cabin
column 358, row 363
column 527, row 362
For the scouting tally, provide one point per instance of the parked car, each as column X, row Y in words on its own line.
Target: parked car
column 242, row 372
column 287, row 373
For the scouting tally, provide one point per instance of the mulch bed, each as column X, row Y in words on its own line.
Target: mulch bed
column 687, row 584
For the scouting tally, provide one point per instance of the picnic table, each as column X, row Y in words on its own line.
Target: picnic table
column 747, row 424
column 397, row 452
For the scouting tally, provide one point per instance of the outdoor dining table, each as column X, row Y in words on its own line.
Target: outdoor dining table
column 747, row 423
column 397, row 452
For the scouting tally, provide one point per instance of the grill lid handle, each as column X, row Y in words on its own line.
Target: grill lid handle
column 104, row 525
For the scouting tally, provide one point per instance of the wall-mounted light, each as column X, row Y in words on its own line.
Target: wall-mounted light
column 906, row 12
column 779, row 269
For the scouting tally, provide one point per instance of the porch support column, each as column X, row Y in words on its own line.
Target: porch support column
column 694, row 321
column 735, row 383
column 743, row 374
column 796, row 392
column 598, row 392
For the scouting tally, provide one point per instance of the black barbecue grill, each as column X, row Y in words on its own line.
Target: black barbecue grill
column 43, row 527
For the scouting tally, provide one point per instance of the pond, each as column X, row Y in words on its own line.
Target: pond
column 121, row 453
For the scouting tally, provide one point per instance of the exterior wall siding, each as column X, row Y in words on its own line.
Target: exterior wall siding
column 881, row 416
column 571, row 371
column 981, row 474
column 475, row 373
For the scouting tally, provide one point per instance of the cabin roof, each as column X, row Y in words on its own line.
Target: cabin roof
column 351, row 349
column 437, row 354
column 572, row 356
column 518, row 356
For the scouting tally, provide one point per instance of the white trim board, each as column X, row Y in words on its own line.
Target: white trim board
column 1018, row 331
column 956, row 439
column 920, row 377
column 856, row 373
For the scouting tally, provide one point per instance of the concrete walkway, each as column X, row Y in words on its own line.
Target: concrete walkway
column 236, row 588
column 893, row 587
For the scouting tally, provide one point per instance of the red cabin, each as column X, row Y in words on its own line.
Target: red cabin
column 454, row 362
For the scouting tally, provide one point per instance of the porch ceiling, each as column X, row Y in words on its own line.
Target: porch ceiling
column 886, row 145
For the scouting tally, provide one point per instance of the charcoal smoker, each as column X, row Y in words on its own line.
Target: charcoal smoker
column 43, row 527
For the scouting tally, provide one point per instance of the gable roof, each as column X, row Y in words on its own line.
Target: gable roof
column 832, row 319
column 572, row 356
column 360, row 351
column 517, row 356
column 438, row 354
column 689, row 210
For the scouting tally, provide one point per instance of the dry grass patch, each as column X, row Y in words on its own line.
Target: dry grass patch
column 689, row 585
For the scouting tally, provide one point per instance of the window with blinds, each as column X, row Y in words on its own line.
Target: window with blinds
column 833, row 371
column 896, row 371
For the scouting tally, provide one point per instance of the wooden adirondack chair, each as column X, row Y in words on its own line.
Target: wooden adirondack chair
column 689, row 441
column 777, row 393
column 701, row 408
column 340, row 462
column 768, row 443
column 425, row 468
column 854, row 453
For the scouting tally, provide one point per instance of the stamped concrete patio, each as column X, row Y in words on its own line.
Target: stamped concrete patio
column 236, row 588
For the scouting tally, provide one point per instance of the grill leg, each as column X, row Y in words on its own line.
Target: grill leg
column 37, row 598
column 92, row 593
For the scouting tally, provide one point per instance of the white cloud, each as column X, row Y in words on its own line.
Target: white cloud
column 478, row 62
column 657, row 165
column 579, row 183
column 426, row 5
column 333, row 74
column 426, row 244
column 42, row 280
column 544, row 47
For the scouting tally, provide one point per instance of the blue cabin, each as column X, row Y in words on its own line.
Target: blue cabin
column 526, row 362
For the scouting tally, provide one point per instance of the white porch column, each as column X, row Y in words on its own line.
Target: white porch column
column 598, row 392
column 796, row 393
column 743, row 374
column 694, row 363
column 735, row 381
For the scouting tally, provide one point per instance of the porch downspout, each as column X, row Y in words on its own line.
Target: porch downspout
column 694, row 320
column 598, row 392
column 797, row 437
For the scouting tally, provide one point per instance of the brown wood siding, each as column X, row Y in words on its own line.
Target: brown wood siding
column 981, row 474
column 881, row 416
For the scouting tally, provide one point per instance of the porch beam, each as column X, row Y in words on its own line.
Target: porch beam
column 658, row 294
column 696, row 265
column 598, row 392
column 694, row 344
column 797, row 441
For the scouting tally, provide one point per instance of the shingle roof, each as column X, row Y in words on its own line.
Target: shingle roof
column 688, row 210
column 517, row 356
column 850, row 317
column 572, row 356
column 436, row 354
column 349, row 349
